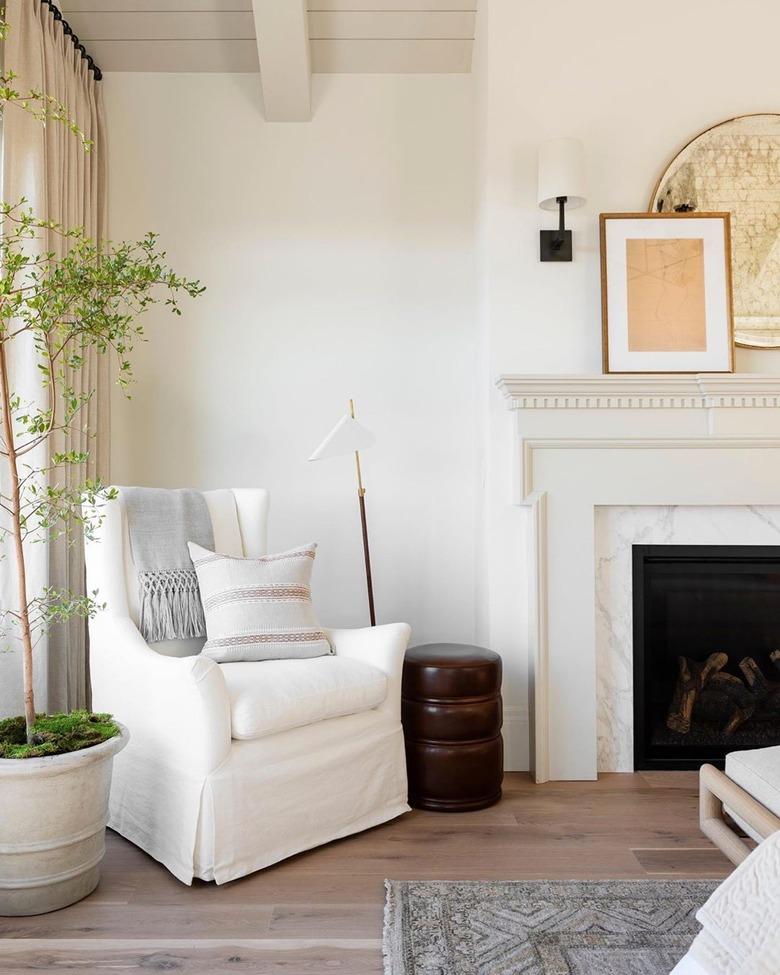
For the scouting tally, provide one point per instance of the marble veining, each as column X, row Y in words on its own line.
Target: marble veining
column 617, row 529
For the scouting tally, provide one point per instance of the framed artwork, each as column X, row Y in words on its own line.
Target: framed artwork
column 666, row 292
column 734, row 166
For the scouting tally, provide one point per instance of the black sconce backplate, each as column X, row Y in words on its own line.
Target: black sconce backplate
column 555, row 245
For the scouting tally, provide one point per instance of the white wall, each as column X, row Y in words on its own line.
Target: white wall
column 338, row 260
column 635, row 82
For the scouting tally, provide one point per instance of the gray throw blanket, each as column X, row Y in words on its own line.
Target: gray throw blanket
column 160, row 524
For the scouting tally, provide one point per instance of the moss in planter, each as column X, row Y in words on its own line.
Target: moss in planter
column 55, row 734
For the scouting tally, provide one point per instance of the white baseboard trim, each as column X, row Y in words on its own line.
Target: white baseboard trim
column 515, row 738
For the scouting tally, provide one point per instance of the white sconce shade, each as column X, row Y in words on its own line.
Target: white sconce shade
column 561, row 173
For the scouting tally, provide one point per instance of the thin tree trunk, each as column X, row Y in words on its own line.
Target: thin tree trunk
column 16, row 531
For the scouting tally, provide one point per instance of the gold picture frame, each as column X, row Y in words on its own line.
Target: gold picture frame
column 732, row 166
column 666, row 293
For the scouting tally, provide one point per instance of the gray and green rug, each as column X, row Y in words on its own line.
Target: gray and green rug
column 614, row 927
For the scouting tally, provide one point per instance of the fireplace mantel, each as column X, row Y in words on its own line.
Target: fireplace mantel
column 700, row 391
column 583, row 442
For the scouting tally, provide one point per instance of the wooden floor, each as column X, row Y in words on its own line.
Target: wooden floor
column 321, row 912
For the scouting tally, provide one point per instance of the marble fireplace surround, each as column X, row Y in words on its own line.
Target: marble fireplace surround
column 586, row 444
column 617, row 530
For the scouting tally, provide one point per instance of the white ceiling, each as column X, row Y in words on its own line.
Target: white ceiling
column 219, row 35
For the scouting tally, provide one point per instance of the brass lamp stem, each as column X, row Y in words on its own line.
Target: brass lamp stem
column 361, row 489
column 364, row 526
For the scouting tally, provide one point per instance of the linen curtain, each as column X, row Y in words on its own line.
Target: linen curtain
column 48, row 165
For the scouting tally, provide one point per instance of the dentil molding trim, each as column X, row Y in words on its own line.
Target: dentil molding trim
column 700, row 391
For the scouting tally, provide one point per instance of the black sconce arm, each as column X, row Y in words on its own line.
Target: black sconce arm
column 555, row 245
column 560, row 237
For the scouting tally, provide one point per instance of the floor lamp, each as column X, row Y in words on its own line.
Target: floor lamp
column 349, row 437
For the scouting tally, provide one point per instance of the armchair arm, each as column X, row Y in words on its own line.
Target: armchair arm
column 381, row 646
column 177, row 707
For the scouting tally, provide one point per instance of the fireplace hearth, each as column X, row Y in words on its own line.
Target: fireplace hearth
column 706, row 652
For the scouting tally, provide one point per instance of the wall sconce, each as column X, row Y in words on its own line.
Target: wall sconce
column 561, row 184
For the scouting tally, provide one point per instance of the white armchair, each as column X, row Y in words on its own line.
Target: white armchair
column 225, row 773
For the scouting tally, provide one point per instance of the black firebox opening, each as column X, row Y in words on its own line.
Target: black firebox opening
column 706, row 652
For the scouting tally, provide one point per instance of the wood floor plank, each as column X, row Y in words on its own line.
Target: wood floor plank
column 692, row 862
column 278, row 957
column 268, row 888
column 97, row 920
column 321, row 911
column 670, row 780
column 326, row 920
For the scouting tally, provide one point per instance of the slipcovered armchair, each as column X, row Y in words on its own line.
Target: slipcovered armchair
column 232, row 767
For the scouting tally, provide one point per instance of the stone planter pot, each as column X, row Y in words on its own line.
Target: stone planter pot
column 52, row 827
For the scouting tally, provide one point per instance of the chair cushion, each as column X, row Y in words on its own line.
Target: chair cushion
column 758, row 772
column 277, row 695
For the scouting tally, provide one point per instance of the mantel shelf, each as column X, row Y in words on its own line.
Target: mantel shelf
column 700, row 391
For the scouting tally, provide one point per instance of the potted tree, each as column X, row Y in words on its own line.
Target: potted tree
column 55, row 770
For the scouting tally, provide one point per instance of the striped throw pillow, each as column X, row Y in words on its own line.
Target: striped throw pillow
column 258, row 609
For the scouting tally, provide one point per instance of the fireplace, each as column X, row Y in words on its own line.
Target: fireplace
column 706, row 622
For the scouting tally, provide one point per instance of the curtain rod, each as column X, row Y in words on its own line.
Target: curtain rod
column 57, row 14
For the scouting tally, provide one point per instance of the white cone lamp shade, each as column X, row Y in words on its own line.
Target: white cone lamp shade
column 561, row 173
column 345, row 438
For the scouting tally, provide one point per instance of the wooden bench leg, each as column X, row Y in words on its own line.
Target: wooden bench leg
column 717, row 790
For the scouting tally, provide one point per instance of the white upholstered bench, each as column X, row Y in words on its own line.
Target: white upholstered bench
column 749, row 792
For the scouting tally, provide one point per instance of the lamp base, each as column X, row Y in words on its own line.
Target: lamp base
column 555, row 245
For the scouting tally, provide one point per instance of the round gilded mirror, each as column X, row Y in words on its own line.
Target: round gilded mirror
column 735, row 166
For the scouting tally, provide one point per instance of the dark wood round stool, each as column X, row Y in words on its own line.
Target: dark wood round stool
column 451, row 713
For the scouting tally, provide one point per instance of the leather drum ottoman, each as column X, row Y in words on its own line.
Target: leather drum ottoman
column 451, row 713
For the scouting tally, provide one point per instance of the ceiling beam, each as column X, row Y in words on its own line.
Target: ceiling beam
column 282, row 31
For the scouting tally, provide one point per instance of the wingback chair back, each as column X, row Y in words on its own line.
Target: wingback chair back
column 239, row 518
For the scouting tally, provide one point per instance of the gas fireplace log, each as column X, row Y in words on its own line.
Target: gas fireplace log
column 717, row 696
column 693, row 676
column 754, row 675
column 731, row 688
column 765, row 692
column 680, row 710
column 726, row 699
column 738, row 717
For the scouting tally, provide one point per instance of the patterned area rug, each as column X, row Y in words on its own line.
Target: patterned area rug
column 615, row 927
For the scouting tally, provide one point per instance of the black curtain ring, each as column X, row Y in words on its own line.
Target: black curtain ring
column 68, row 31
